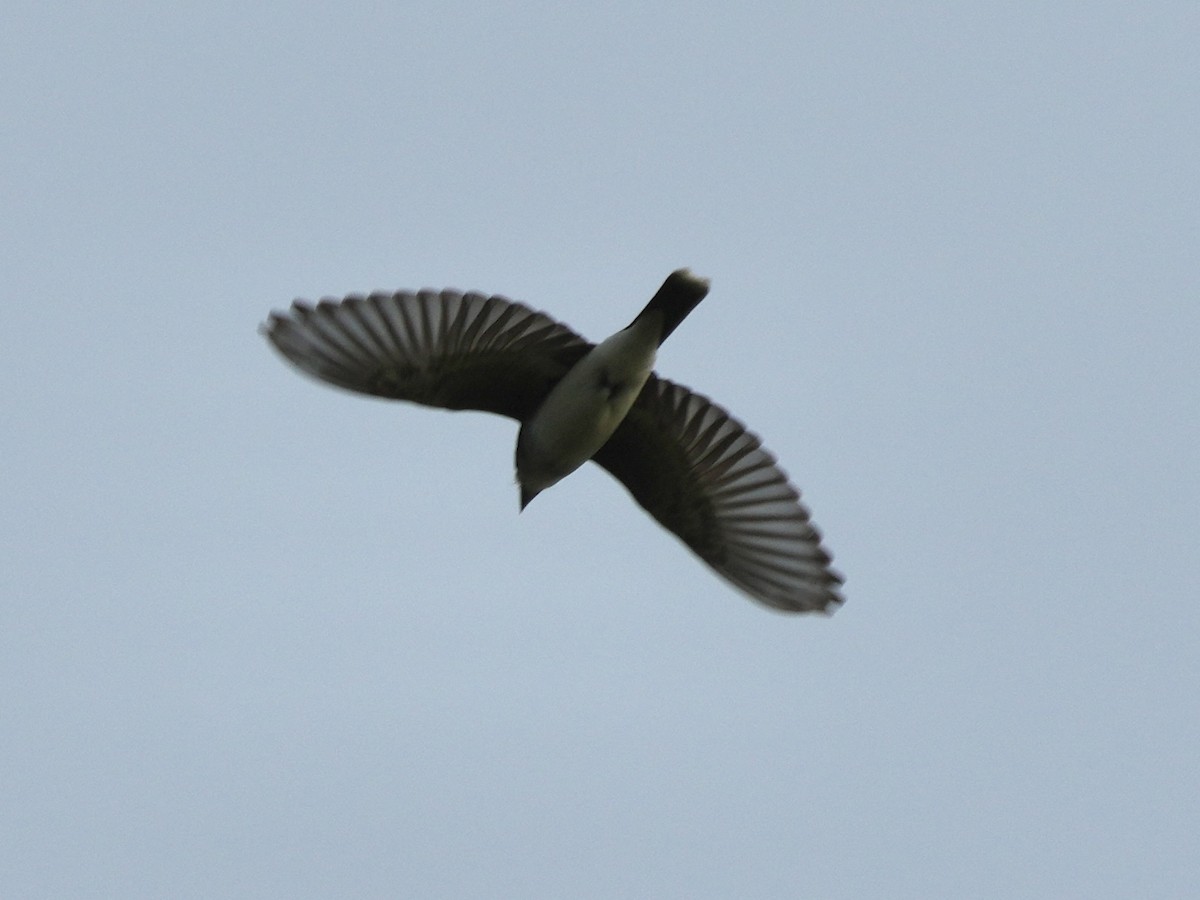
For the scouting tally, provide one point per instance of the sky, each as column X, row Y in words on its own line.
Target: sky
column 263, row 638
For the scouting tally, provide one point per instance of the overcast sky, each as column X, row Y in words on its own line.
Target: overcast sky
column 262, row 638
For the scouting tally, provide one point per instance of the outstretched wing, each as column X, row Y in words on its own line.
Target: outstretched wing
column 438, row 348
column 703, row 476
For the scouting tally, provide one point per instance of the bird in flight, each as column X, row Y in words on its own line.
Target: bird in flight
column 690, row 464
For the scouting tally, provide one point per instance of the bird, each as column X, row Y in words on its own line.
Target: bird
column 691, row 465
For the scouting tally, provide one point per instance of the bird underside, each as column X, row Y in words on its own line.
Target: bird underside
column 690, row 464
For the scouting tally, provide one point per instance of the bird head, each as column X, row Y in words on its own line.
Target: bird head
column 528, row 493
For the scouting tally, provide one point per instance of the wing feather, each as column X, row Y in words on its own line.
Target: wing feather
column 438, row 348
column 709, row 480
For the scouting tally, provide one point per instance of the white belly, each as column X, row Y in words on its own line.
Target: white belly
column 585, row 408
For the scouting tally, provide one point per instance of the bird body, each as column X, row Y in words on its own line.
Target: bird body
column 582, row 411
column 691, row 465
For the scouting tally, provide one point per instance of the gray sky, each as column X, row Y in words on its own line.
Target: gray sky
column 260, row 638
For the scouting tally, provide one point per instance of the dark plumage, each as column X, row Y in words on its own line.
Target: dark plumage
column 691, row 465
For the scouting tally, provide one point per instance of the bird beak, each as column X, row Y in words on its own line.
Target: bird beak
column 527, row 494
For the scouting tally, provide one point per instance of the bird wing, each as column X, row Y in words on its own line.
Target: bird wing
column 439, row 348
column 704, row 477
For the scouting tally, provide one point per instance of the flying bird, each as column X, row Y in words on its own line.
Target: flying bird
column 690, row 464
